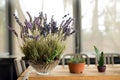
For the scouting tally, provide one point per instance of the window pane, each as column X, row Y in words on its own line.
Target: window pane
column 58, row 8
column 3, row 30
column 101, row 25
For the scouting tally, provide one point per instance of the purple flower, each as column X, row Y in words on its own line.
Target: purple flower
column 62, row 23
column 65, row 15
column 41, row 15
column 44, row 31
column 17, row 20
column 36, row 20
column 39, row 26
column 31, row 36
column 28, row 25
column 25, row 30
column 29, row 16
column 54, row 28
column 67, row 22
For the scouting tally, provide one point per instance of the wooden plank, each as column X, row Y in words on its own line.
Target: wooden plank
column 90, row 73
column 75, row 78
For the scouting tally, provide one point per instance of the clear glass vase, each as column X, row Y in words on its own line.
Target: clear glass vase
column 44, row 68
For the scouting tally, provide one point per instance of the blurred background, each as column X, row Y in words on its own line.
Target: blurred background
column 97, row 22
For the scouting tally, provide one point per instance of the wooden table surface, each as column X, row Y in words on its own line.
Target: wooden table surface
column 62, row 73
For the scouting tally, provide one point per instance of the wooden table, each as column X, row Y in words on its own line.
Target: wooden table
column 62, row 73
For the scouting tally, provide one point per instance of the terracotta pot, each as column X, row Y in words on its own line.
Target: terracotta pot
column 101, row 68
column 76, row 67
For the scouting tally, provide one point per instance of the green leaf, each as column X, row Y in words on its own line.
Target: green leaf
column 101, row 60
column 97, row 52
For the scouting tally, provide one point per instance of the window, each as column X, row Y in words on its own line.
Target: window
column 100, row 25
column 3, row 28
column 99, row 22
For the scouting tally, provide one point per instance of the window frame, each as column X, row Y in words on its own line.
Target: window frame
column 9, row 9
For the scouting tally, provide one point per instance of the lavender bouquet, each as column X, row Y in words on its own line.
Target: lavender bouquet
column 43, row 41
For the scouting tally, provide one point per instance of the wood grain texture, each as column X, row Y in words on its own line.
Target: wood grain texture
column 76, row 78
column 90, row 73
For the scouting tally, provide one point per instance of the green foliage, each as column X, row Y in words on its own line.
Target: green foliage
column 100, row 56
column 46, row 49
column 77, row 59
column 101, row 60
column 97, row 52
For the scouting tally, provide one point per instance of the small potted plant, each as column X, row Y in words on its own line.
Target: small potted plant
column 100, row 58
column 76, row 64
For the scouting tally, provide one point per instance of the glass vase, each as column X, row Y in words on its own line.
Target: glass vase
column 43, row 68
